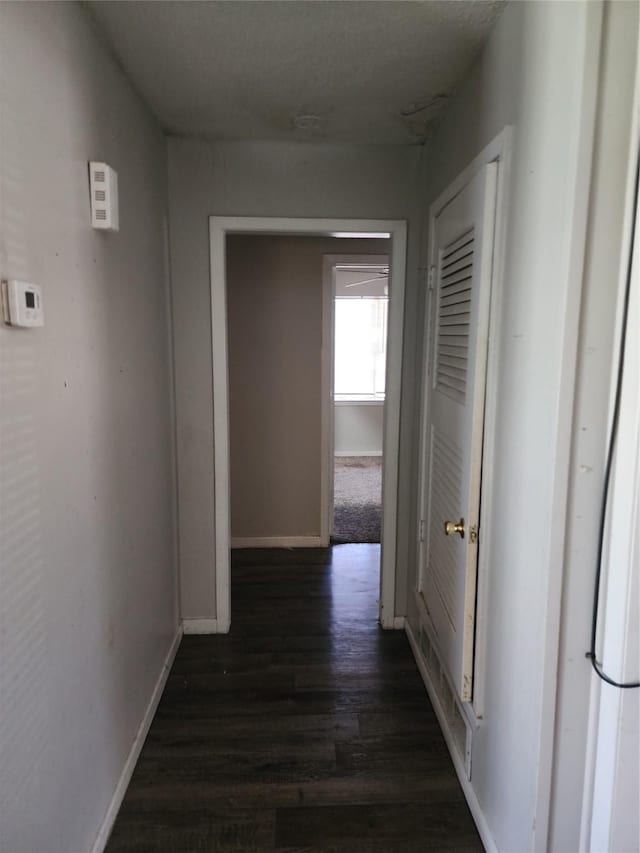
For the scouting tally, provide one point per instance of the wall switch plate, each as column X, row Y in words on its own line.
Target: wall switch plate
column 22, row 303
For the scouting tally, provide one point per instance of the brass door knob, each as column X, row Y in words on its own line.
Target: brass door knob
column 450, row 528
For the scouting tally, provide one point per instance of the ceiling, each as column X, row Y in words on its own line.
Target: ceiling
column 325, row 70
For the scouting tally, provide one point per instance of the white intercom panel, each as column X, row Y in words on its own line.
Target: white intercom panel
column 22, row 303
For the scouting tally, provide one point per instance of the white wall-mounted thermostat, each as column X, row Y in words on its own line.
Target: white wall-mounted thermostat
column 103, row 182
column 22, row 303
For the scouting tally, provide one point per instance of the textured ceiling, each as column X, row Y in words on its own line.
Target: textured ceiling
column 367, row 72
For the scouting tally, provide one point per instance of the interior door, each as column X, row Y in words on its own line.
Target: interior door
column 461, row 258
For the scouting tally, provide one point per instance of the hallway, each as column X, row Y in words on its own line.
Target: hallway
column 305, row 728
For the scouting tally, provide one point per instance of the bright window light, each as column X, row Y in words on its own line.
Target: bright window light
column 360, row 348
column 349, row 235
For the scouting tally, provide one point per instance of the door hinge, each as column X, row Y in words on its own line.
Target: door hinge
column 431, row 278
column 422, row 530
column 473, row 534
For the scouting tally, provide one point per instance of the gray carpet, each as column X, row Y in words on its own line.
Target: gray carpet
column 357, row 499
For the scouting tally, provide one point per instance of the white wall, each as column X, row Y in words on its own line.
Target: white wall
column 265, row 179
column 87, row 575
column 616, row 770
column 614, row 775
column 530, row 75
column 605, row 258
column 358, row 428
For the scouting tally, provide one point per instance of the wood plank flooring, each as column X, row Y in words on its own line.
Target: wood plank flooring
column 307, row 728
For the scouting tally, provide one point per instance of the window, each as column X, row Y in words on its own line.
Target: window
column 360, row 347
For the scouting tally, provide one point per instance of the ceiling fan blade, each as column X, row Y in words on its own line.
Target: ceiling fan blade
column 365, row 281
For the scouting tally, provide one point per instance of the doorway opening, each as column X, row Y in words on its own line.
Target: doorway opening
column 221, row 230
column 359, row 289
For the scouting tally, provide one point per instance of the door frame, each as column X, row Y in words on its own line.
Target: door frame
column 499, row 151
column 219, row 228
column 329, row 264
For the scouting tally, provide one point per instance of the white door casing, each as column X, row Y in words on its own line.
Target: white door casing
column 396, row 230
column 461, row 258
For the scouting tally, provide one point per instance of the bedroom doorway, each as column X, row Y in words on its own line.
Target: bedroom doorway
column 395, row 232
column 359, row 289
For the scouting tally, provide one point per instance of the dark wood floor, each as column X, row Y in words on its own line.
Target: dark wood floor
column 306, row 728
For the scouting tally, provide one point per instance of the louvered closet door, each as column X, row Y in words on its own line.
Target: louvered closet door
column 461, row 253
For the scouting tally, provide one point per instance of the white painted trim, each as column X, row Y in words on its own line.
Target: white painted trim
column 572, row 271
column 399, row 623
column 220, row 378
column 173, row 413
column 200, row 626
column 578, row 690
column 277, row 542
column 327, row 426
column 129, row 766
column 613, row 721
column 469, row 793
column 493, row 152
column 499, row 150
column 610, row 734
column 391, row 424
column 219, row 227
column 489, row 450
column 357, row 453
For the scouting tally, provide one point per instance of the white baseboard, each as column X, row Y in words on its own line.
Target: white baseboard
column 276, row 542
column 358, row 453
column 199, row 626
column 127, row 771
column 393, row 623
column 469, row 793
